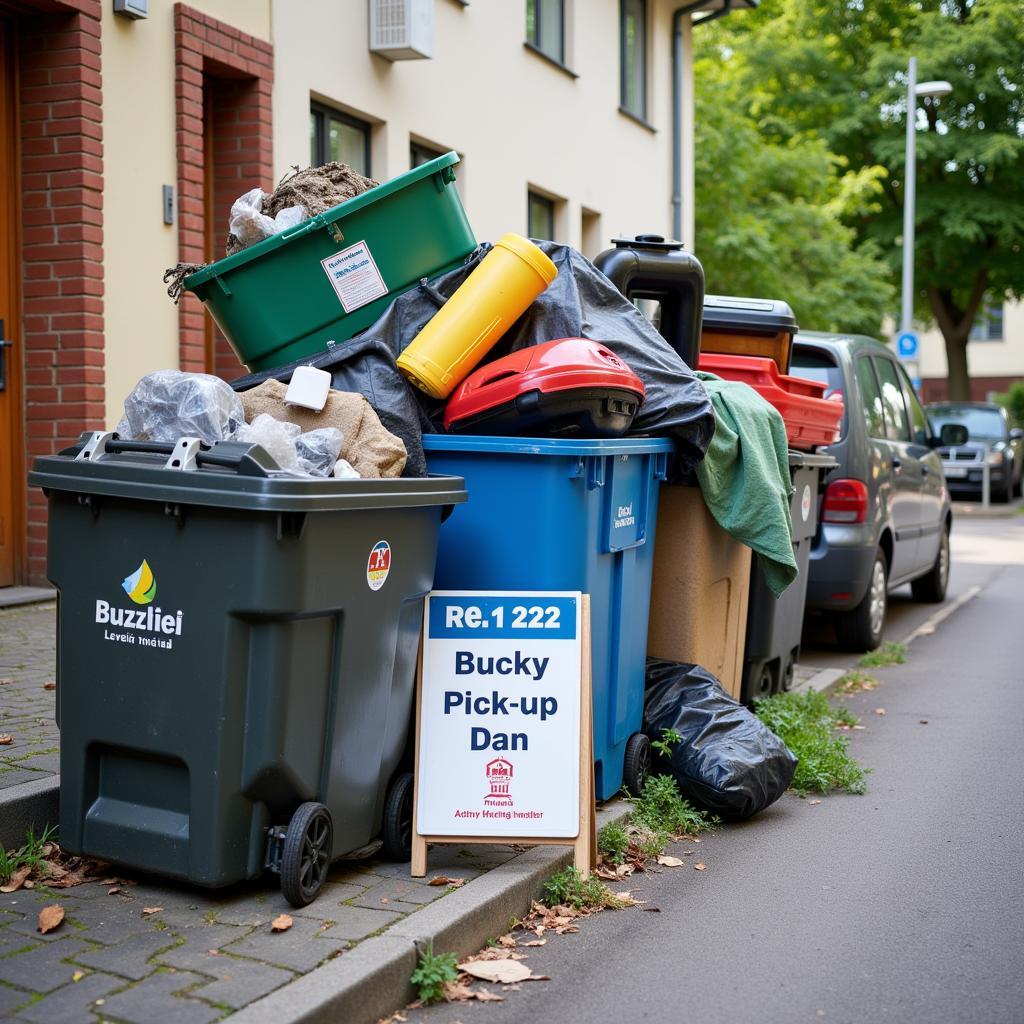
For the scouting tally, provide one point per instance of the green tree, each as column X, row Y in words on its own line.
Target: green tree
column 769, row 218
column 836, row 70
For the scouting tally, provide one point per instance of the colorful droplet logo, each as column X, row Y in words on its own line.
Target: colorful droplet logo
column 141, row 585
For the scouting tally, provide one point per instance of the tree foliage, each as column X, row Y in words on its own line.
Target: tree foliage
column 835, row 71
column 769, row 218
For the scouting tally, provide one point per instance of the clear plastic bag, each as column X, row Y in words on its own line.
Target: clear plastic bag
column 344, row 471
column 276, row 437
column 249, row 224
column 318, row 450
column 169, row 404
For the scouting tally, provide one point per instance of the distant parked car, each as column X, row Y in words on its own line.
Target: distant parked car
column 988, row 425
column 886, row 512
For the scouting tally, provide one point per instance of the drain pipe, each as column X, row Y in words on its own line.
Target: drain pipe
column 677, row 103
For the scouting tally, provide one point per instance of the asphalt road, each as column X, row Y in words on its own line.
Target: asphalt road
column 906, row 904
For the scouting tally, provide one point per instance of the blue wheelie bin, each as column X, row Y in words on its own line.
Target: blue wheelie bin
column 554, row 514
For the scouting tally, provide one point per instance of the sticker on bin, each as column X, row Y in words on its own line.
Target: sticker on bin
column 378, row 565
column 354, row 276
column 150, row 626
column 500, row 715
column 805, row 503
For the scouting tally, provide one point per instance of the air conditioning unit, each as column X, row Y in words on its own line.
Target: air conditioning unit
column 402, row 29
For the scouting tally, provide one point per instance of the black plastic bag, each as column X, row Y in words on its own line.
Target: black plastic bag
column 728, row 760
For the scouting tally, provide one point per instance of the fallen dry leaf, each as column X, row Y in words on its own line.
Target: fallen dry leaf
column 813, row 802
column 651, row 910
column 670, row 862
column 536, row 942
column 6, row 739
column 483, row 996
column 455, row 883
column 456, row 992
column 6, row 682
column 149, row 911
column 17, row 879
column 50, row 918
column 859, row 728
column 507, row 941
column 505, row 971
column 922, row 721
column 606, row 873
column 114, row 890
column 78, row 976
column 49, row 685
column 538, row 977
column 281, row 923
column 699, row 867
column 879, row 711
column 384, row 899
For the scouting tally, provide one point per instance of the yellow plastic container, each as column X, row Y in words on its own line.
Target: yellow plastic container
column 483, row 308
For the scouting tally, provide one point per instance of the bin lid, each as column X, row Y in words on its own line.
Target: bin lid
column 736, row 313
column 551, row 446
column 321, row 220
column 811, row 460
column 231, row 474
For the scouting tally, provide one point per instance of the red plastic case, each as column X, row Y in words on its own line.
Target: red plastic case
column 811, row 419
column 571, row 386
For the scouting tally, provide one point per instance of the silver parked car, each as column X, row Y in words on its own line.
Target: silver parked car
column 886, row 513
column 989, row 429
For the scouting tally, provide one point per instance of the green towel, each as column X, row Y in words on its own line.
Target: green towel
column 745, row 477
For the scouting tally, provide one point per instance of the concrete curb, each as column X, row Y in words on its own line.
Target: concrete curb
column 32, row 805
column 821, row 681
column 19, row 597
column 373, row 979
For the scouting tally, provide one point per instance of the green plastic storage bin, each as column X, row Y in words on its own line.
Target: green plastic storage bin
column 334, row 275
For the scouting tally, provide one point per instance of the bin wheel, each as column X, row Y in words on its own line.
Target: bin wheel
column 396, row 833
column 764, row 683
column 637, row 764
column 306, row 856
column 786, row 679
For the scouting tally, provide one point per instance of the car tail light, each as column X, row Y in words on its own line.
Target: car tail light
column 846, row 501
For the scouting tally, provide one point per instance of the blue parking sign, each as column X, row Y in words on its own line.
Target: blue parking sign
column 906, row 345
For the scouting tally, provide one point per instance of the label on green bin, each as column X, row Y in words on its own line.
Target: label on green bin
column 354, row 276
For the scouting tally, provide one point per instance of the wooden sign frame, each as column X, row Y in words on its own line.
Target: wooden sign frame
column 584, row 844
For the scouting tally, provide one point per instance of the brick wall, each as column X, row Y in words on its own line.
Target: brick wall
column 61, row 128
column 236, row 70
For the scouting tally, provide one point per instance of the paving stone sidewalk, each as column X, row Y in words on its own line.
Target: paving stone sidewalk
column 28, row 660
column 202, row 955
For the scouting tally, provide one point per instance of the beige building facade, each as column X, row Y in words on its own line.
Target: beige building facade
column 124, row 140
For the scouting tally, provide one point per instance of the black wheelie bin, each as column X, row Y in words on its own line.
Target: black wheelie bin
column 236, row 656
column 774, row 624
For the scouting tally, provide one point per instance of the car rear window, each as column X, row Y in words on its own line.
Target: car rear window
column 814, row 364
column 983, row 424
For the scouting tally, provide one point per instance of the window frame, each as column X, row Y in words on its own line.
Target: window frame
column 533, row 196
column 322, row 112
column 912, row 401
column 537, row 41
column 641, row 114
column 424, row 148
column 988, row 326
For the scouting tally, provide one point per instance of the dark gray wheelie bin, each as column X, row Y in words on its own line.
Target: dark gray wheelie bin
column 774, row 624
column 236, row 656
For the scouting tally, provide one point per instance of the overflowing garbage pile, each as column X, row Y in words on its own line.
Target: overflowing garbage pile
column 308, row 429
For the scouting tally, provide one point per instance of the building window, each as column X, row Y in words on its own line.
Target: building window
column 420, row 154
column 988, row 324
column 540, row 216
column 633, row 43
column 340, row 137
column 545, row 27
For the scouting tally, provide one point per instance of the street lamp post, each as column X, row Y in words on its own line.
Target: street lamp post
column 914, row 91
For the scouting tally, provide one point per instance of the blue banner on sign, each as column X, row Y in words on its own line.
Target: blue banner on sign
column 536, row 617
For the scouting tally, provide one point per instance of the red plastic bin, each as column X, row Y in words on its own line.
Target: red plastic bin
column 811, row 419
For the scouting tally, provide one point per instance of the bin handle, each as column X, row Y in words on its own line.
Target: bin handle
column 595, row 472
column 245, row 459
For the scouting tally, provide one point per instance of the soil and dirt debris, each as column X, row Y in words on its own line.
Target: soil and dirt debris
column 316, row 188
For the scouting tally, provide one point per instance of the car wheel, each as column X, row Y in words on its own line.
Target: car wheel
column 932, row 586
column 860, row 629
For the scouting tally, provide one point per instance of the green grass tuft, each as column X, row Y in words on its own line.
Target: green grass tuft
column 433, row 972
column 570, row 889
column 886, row 655
column 661, row 809
column 31, row 854
column 613, row 842
column 804, row 722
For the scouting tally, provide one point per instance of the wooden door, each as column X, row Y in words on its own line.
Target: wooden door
column 11, row 433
